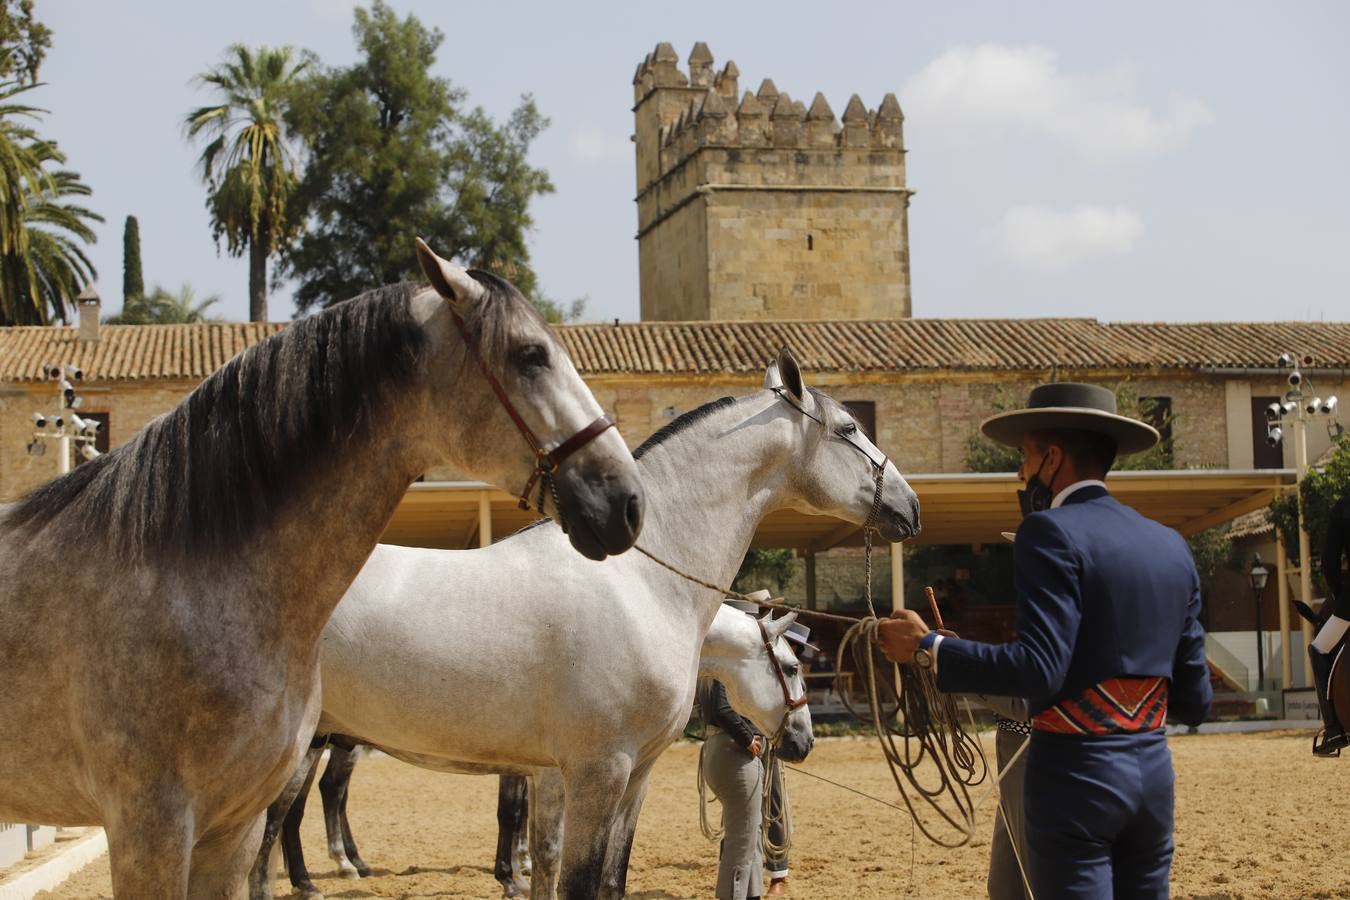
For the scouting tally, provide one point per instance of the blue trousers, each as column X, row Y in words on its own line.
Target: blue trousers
column 1099, row 815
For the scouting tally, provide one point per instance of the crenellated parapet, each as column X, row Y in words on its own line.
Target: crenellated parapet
column 709, row 156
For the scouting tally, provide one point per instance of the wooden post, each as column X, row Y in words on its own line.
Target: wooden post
column 810, row 579
column 1286, row 648
column 897, row 576
column 484, row 519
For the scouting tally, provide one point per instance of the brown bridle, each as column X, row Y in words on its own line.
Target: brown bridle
column 792, row 705
column 546, row 462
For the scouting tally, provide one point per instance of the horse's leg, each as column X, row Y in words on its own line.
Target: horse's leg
column 291, row 847
column 594, row 791
column 348, row 842
column 220, row 862
column 546, row 799
column 260, row 877
column 333, row 789
column 512, row 808
column 149, row 846
column 625, row 827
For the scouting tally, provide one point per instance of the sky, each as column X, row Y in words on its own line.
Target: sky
column 1149, row 161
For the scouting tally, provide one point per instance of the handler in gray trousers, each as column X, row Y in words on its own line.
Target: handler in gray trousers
column 731, row 767
column 1009, row 842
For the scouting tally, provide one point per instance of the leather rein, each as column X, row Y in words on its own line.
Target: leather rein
column 546, row 462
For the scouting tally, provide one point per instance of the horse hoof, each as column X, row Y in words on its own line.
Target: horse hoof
column 308, row 891
column 361, row 868
column 347, row 870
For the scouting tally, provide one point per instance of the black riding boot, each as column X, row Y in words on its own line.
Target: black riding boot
column 1333, row 736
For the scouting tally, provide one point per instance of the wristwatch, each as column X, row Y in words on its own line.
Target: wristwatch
column 923, row 657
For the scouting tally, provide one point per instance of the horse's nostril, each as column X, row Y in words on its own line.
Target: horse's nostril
column 632, row 513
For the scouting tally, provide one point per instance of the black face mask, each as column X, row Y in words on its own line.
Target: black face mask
column 1036, row 496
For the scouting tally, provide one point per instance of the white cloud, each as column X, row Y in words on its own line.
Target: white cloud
column 1047, row 240
column 590, row 145
column 993, row 86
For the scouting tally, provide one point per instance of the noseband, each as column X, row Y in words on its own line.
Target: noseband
column 546, row 462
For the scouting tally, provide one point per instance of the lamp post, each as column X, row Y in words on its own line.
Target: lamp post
column 1258, row 576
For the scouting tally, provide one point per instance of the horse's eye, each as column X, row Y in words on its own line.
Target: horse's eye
column 528, row 357
column 848, row 429
column 792, row 671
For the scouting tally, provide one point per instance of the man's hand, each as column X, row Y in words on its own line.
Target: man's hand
column 756, row 745
column 900, row 634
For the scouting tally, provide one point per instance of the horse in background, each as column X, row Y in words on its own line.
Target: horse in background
column 161, row 605
column 734, row 652
column 597, row 662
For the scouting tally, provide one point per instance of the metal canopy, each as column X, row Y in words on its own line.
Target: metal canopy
column 957, row 509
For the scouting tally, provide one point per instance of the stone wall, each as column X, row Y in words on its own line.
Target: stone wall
column 757, row 207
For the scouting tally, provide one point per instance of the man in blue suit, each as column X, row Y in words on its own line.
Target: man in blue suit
column 1108, row 645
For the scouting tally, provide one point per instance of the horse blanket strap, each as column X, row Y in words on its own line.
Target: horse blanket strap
column 1113, row 706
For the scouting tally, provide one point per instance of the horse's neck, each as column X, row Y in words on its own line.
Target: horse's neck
column 707, row 492
column 727, row 640
column 327, row 530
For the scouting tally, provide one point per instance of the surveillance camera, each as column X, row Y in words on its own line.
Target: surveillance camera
column 1274, row 436
column 36, row 447
column 68, row 392
column 1287, row 408
column 1273, row 412
column 88, row 451
column 39, row 420
column 1329, row 406
column 1286, row 360
column 1295, row 378
column 1313, row 405
column 58, row 422
column 74, row 372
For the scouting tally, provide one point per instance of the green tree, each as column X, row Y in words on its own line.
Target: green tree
column 133, row 282
column 164, row 307
column 1321, row 488
column 392, row 155
column 556, row 312
column 45, row 267
column 769, row 568
column 24, row 41
column 247, row 164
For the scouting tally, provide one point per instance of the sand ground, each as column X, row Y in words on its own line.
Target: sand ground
column 1246, row 812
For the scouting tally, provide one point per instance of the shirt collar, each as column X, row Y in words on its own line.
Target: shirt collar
column 1064, row 494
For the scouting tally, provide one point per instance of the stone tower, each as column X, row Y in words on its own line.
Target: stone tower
column 756, row 207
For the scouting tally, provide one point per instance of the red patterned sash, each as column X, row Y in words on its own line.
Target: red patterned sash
column 1114, row 706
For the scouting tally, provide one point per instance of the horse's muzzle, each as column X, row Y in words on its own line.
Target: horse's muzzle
column 601, row 511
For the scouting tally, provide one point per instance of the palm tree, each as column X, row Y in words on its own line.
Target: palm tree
column 164, row 307
column 42, row 264
column 248, row 167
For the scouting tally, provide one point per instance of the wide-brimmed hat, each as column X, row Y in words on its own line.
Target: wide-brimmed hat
column 1069, row 405
column 800, row 634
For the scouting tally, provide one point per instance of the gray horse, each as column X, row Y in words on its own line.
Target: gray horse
column 161, row 606
column 596, row 663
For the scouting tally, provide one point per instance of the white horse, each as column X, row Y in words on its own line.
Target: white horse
column 590, row 667
column 161, row 606
column 735, row 652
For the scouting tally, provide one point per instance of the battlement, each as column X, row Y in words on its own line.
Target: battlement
column 700, row 108
column 725, row 174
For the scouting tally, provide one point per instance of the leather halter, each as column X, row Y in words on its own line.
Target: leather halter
column 792, row 705
column 546, row 462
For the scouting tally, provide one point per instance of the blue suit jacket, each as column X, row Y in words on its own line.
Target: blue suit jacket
column 1102, row 592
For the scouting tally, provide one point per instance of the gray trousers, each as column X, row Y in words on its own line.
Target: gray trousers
column 737, row 779
column 1005, row 878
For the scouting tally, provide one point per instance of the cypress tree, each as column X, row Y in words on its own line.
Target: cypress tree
column 133, row 282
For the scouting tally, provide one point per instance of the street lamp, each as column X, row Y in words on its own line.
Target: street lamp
column 1258, row 576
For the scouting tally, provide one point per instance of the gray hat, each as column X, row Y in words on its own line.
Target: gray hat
column 800, row 634
column 746, row 606
column 1067, row 404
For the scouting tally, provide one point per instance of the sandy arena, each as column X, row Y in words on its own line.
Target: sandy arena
column 1247, row 810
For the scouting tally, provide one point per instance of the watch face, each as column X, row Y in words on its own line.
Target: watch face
column 923, row 658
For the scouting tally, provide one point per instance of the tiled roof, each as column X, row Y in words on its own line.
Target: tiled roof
column 655, row 348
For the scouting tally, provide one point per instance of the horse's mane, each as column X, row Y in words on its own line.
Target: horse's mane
column 204, row 476
column 682, row 423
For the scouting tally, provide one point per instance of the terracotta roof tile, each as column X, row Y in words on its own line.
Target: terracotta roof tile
column 663, row 348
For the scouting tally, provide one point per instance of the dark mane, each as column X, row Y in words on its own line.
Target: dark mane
column 671, row 429
column 489, row 320
column 204, row 476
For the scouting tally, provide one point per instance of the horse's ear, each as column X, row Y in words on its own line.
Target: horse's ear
column 791, row 374
column 771, row 377
column 776, row 627
column 449, row 280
